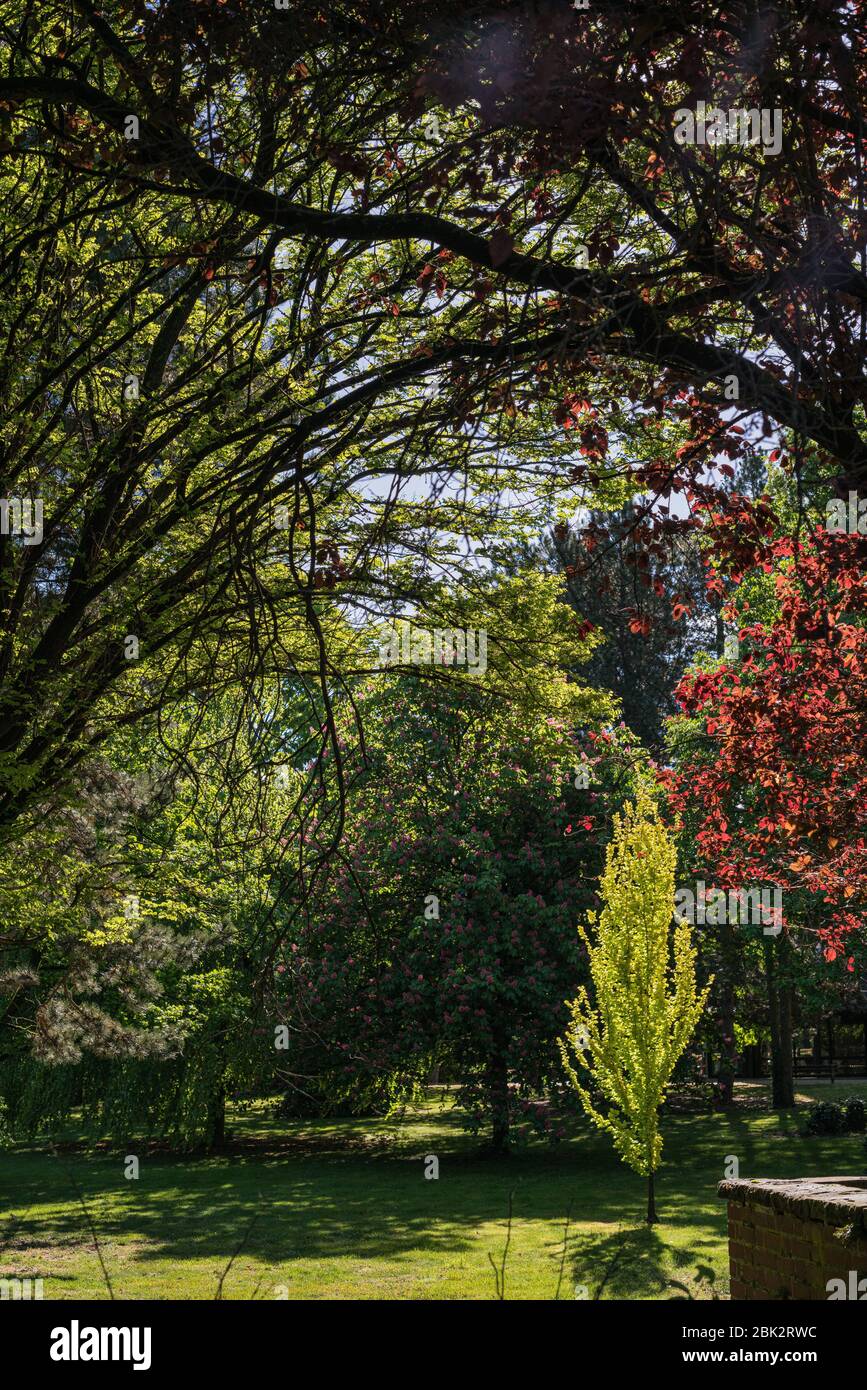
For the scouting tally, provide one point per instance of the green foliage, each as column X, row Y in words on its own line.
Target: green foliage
column 146, row 1019
column 848, row 1116
column 443, row 934
column 645, row 1007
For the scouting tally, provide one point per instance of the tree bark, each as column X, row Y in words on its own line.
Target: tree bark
column 217, row 1118
column 728, row 1056
column 787, row 1058
column 498, row 1099
column 651, row 1202
column 780, row 1015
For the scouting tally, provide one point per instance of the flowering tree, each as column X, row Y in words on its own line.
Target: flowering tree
column 645, row 1002
column 445, row 930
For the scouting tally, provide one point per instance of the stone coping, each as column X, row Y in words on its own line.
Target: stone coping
column 836, row 1201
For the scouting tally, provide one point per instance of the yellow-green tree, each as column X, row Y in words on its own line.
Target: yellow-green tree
column 646, row 1000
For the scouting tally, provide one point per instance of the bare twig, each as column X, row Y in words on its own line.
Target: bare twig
column 238, row 1249
column 79, row 1193
column 565, row 1247
column 500, row 1274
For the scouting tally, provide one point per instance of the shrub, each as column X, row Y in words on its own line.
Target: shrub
column 829, row 1117
column 826, row 1117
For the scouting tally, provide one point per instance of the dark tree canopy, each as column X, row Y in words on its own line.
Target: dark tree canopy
column 330, row 259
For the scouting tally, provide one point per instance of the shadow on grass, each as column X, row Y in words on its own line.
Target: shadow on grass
column 356, row 1189
column 335, row 1203
column 638, row 1262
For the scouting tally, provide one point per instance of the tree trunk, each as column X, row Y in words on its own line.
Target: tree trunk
column 729, row 1056
column 787, row 1058
column 217, row 1118
column 753, row 1060
column 498, row 1099
column 780, row 1015
column 651, row 1202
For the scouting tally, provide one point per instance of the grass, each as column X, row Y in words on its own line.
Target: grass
column 341, row 1209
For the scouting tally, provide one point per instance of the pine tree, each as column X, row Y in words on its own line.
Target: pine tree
column 646, row 1000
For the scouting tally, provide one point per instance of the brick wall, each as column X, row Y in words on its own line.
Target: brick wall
column 788, row 1238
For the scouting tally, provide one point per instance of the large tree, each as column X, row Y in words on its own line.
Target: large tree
column 443, row 930
column 339, row 247
column 770, row 775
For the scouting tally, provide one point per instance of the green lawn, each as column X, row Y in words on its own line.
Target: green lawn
column 343, row 1210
